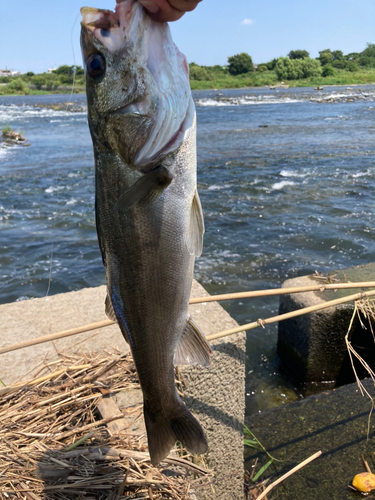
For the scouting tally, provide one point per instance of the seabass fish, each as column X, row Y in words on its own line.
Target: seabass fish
column 148, row 214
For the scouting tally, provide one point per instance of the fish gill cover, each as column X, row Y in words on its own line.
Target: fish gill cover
column 129, row 33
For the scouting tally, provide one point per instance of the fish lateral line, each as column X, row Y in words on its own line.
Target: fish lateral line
column 149, row 187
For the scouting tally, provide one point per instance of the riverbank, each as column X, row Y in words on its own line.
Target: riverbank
column 221, row 81
column 269, row 78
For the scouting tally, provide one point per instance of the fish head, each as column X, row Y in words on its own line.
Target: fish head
column 137, row 83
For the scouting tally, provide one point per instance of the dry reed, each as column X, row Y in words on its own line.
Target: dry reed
column 54, row 445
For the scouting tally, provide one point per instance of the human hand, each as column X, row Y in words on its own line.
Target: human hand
column 168, row 10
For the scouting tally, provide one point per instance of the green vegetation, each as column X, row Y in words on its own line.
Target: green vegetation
column 60, row 80
column 298, row 54
column 255, row 443
column 220, row 78
column 328, row 70
column 295, row 69
column 5, row 129
column 8, row 133
column 298, row 69
column 240, row 64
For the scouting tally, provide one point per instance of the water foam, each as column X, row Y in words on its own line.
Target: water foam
column 246, row 101
column 217, row 187
column 280, row 185
column 10, row 113
column 292, row 173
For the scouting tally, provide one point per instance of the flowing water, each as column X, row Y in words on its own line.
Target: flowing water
column 286, row 179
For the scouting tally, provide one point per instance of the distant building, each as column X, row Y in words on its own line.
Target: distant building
column 51, row 70
column 16, row 73
column 5, row 72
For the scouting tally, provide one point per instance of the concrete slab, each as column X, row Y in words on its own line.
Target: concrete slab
column 335, row 422
column 312, row 346
column 215, row 395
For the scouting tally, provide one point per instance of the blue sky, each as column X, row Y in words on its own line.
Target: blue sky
column 36, row 35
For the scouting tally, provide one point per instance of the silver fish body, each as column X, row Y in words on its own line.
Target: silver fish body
column 148, row 215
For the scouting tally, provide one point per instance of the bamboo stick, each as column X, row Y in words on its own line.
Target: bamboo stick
column 59, row 335
column 282, row 291
column 292, row 471
column 197, row 300
column 293, row 314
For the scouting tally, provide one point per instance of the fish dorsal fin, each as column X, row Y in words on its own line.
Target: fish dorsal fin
column 193, row 347
column 150, row 185
column 110, row 312
column 195, row 233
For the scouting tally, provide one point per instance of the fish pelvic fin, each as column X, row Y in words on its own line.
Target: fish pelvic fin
column 194, row 239
column 147, row 187
column 110, row 312
column 193, row 347
column 162, row 432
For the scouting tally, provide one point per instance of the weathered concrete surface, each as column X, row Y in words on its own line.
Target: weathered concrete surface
column 29, row 319
column 216, row 395
column 312, row 346
column 334, row 422
column 221, row 409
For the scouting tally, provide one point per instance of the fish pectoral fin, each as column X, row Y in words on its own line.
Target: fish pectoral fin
column 110, row 312
column 149, row 186
column 195, row 233
column 193, row 347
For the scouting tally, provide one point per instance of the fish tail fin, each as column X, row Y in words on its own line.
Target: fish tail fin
column 163, row 432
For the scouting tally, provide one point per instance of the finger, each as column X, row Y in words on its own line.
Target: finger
column 184, row 5
column 163, row 11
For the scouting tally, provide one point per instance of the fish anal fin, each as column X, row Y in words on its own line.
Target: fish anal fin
column 195, row 233
column 149, row 186
column 193, row 347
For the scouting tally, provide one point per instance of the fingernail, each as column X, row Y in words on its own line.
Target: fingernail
column 149, row 5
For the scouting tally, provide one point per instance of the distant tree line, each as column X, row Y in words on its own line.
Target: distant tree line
column 296, row 65
column 63, row 75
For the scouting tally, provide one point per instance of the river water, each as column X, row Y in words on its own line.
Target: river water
column 286, row 179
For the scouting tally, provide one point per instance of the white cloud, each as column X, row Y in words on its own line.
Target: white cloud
column 247, row 21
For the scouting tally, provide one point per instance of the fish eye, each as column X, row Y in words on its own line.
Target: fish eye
column 105, row 33
column 95, row 66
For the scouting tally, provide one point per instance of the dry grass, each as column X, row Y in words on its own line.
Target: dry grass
column 55, row 445
column 363, row 309
column 253, row 490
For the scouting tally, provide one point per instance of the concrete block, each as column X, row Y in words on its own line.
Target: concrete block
column 216, row 395
column 312, row 346
column 335, row 422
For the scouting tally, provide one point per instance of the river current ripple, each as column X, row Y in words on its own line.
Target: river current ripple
column 286, row 179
